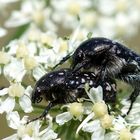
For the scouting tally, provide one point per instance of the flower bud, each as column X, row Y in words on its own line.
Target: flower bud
column 21, row 51
column 4, row 58
column 63, row 46
column 76, row 109
column 16, row 90
column 38, row 17
column 125, row 134
column 74, row 8
column 46, row 39
column 25, row 130
column 100, row 109
column 30, row 63
column 106, row 121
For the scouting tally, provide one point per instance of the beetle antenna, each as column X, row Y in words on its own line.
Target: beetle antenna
column 45, row 112
column 64, row 59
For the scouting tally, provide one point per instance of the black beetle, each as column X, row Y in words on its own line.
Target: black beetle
column 63, row 86
column 109, row 58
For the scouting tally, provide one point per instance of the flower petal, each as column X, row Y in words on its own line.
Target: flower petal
column 12, row 137
column 111, row 136
column 89, row 117
column 49, row 135
column 3, row 32
column 63, row 118
column 96, row 94
column 38, row 72
column 15, row 70
column 3, row 91
column 92, row 126
column 13, row 119
column 7, row 105
column 25, row 104
column 17, row 19
column 28, row 91
column 136, row 134
column 98, row 135
column 119, row 123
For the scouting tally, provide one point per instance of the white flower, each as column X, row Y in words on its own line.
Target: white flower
column 4, row 58
column 9, row 95
column 14, row 70
column 69, row 9
column 29, row 131
column 31, row 12
column 3, row 32
column 76, row 111
column 96, row 123
column 136, row 133
column 133, row 116
column 99, row 18
column 120, row 130
column 63, row 118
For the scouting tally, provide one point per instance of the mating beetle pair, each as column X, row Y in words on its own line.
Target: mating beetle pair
column 111, row 59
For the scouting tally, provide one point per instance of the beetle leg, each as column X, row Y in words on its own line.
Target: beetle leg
column 64, row 59
column 133, row 98
column 45, row 112
column 134, row 80
column 80, row 65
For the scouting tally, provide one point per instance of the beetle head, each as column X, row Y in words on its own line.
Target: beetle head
column 36, row 95
column 77, row 58
column 39, row 89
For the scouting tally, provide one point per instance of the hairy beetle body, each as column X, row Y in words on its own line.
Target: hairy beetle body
column 102, row 52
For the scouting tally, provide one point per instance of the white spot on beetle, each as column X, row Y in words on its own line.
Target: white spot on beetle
column 38, row 89
column 90, row 82
column 83, row 80
column 53, row 96
column 92, row 74
column 88, row 77
column 77, row 82
column 108, row 87
column 118, row 51
column 52, row 85
column 51, row 75
column 72, row 82
column 114, row 87
column 101, row 48
column 85, row 74
column 61, row 73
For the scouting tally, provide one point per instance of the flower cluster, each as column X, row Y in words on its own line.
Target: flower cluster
column 48, row 30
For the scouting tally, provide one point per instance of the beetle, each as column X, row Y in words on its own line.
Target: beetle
column 110, row 58
column 63, row 86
